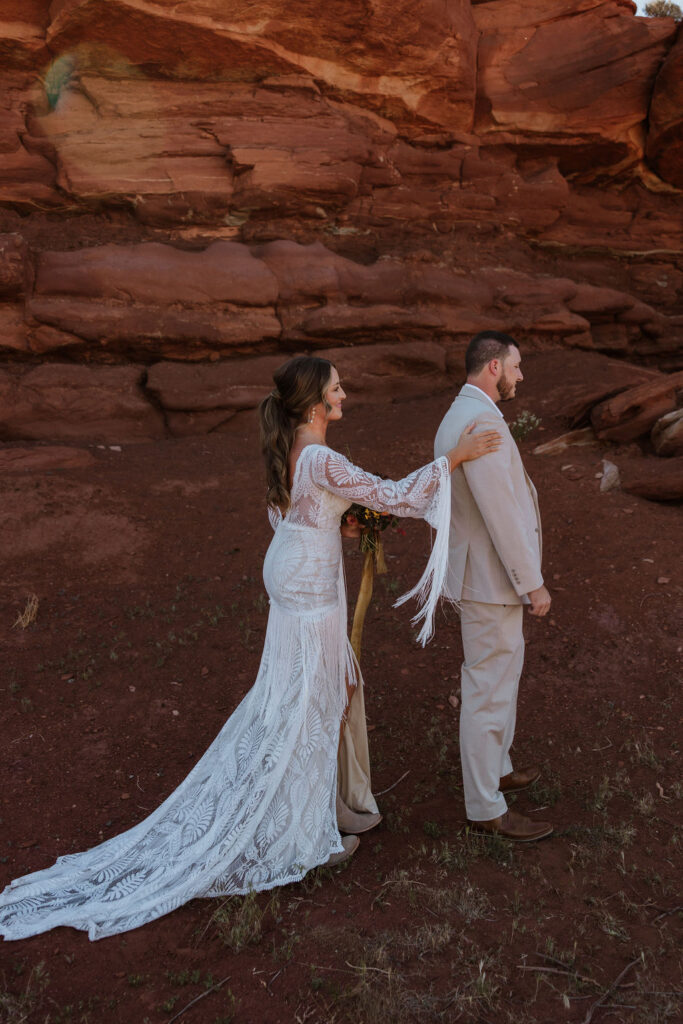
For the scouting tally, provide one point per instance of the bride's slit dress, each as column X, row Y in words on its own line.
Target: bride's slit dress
column 258, row 810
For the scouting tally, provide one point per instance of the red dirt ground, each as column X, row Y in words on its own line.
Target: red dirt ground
column 147, row 565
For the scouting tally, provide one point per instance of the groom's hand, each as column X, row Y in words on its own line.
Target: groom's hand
column 540, row 601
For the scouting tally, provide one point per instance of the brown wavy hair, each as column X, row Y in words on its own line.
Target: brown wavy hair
column 299, row 383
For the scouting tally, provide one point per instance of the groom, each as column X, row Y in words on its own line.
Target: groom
column 494, row 569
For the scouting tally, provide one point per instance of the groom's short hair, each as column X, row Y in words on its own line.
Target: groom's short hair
column 484, row 347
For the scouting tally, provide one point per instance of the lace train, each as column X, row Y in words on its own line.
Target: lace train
column 273, row 763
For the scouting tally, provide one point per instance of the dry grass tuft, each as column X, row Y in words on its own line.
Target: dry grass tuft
column 240, row 920
column 29, row 614
column 20, row 1008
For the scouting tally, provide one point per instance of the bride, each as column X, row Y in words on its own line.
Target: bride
column 258, row 810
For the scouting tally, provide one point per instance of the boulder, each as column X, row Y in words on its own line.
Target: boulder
column 602, row 379
column 610, row 479
column 655, row 479
column 667, row 434
column 632, row 413
column 66, row 402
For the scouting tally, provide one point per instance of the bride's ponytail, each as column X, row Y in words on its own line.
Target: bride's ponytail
column 300, row 384
column 277, row 437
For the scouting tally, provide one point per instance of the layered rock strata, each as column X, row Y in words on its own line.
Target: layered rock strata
column 207, row 184
column 150, row 301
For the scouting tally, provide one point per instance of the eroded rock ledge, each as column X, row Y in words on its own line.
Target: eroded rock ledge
column 190, row 185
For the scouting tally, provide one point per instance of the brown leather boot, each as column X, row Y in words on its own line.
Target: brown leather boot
column 350, row 844
column 355, row 822
column 515, row 781
column 513, row 826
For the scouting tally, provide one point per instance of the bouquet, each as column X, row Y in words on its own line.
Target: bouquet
column 372, row 524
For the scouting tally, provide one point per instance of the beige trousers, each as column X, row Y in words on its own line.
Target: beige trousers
column 493, row 646
column 353, row 762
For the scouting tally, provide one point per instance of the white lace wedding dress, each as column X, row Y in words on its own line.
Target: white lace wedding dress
column 258, row 810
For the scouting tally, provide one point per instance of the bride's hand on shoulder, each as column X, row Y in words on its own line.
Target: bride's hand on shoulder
column 473, row 446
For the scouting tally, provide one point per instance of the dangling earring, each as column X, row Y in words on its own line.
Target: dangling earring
column 311, row 415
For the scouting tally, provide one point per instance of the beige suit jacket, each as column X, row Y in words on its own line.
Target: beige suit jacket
column 495, row 543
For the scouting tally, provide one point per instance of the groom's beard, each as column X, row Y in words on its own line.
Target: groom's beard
column 505, row 387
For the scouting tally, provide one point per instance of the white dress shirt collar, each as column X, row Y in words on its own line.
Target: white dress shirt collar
column 483, row 395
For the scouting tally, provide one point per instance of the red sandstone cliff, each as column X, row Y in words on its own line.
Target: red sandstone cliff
column 219, row 183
